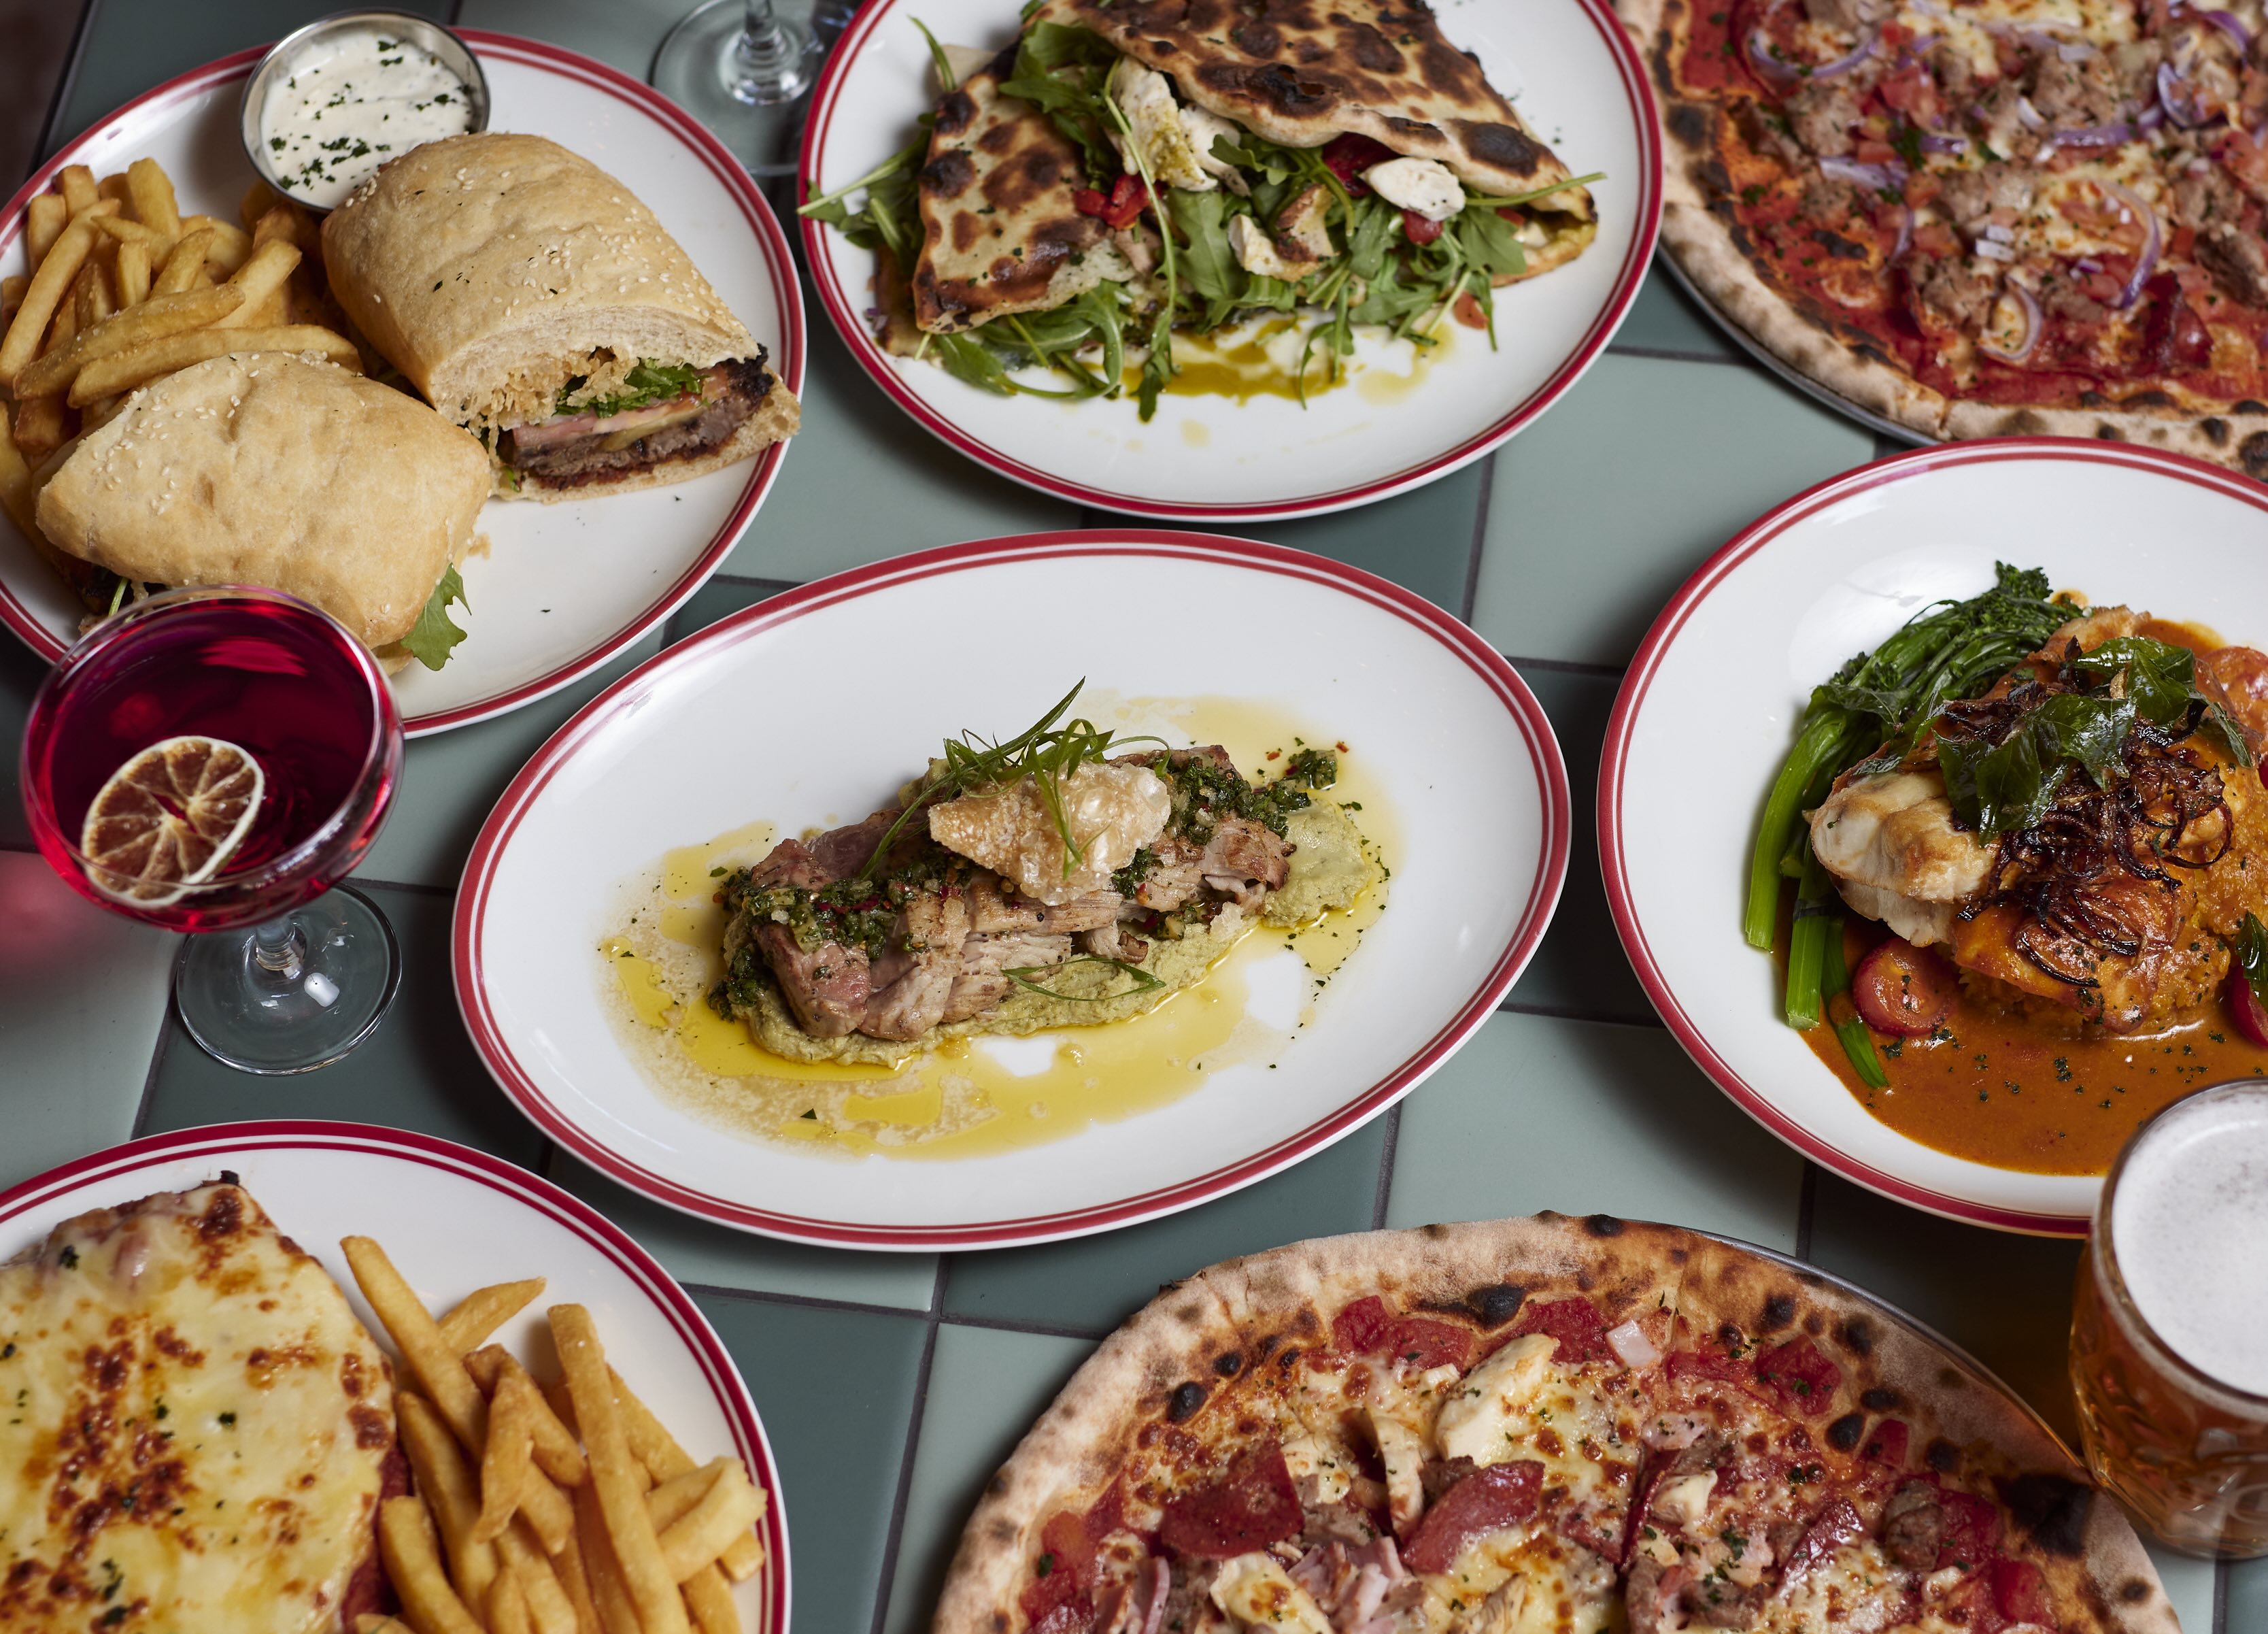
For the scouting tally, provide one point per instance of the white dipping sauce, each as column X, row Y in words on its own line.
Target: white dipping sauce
column 353, row 101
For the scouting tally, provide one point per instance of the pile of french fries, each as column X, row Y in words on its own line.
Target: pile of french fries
column 123, row 289
column 560, row 1508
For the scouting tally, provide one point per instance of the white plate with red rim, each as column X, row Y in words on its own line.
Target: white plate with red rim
column 453, row 1219
column 1707, row 715
column 1478, row 861
column 1570, row 69
column 563, row 588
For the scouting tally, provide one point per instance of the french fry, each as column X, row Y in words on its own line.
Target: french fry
column 18, row 492
column 12, row 296
column 184, row 261
column 621, row 1500
column 447, row 1481
column 261, row 276
column 568, row 1562
column 508, row 1607
column 675, row 1497
column 258, row 200
column 710, row 1599
column 204, row 278
column 698, row 1537
column 100, row 412
column 406, row 1548
column 49, row 283
column 113, row 186
column 279, row 226
column 371, row 1623
column 659, row 1452
column 133, row 274
column 145, row 363
column 414, row 1332
column 558, row 1452
column 616, row 1614
column 548, row 1604
column 90, row 297
column 230, row 244
column 76, row 182
column 152, row 192
column 43, row 224
column 124, row 232
column 153, row 319
column 39, row 430
column 505, row 1460
column 485, row 1310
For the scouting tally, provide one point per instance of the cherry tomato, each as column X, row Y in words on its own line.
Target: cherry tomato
column 1901, row 989
column 2244, row 1005
column 1419, row 229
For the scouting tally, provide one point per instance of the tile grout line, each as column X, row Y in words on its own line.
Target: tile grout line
column 1567, row 666
column 807, row 1302
column 1807, row 1200
column 1393, row 1121
column 886, row 1578
column 1563, row 1012
column 157, row 1052
column 65, row 84
column 1671, row 354
column 1480, row 539
column 2220, row 1597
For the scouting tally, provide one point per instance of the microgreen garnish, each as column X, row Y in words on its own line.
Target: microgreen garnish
column 1022, row 977
column 1045, row 752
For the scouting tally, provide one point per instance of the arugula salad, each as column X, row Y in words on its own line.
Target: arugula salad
column 1213, row 224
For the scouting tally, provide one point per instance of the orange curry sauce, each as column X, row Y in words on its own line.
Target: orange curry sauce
column 2023, row 1092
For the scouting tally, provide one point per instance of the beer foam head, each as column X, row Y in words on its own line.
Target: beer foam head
column 2189, row 1227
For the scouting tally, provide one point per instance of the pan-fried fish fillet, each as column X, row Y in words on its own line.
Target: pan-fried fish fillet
column 1300, row 73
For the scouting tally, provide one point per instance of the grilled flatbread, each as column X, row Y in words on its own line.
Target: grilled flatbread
column 999, row 234
column 1300, row 76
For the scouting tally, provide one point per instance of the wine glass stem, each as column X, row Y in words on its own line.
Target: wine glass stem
column 278, row 949
column 760, row 46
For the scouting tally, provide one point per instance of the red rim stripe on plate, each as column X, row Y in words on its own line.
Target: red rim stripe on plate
column 1614, row 765
column 1553, row 801
column 844, row 309
column 788, row 346
column 616, row 1246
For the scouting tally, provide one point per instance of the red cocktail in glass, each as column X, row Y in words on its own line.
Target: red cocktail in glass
column 282, row 680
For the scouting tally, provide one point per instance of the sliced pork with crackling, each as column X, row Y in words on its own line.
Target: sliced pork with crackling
column 932, row 939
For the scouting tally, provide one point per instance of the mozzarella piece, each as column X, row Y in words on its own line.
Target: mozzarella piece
column 1425, row 186
column 1476, row 1423
column 1308, row 1458
column 1203, row 127
column 1257, row 1592
column 1147, row 101
column 1685, row 1499
column 1402, row 1451
column 1256, row 251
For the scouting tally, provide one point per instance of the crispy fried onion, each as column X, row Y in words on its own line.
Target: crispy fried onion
column 2081, row 873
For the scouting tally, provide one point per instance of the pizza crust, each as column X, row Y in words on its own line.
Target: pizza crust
column 1202, row 1331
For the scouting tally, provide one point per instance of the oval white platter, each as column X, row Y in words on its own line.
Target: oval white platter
column 807, row 708
column 1570, row 69
column 453, row 1219
column 1707, row 715
column 563, row 588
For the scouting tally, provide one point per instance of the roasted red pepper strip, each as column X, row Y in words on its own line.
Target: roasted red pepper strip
column 1419, row 229
column 1349, row 155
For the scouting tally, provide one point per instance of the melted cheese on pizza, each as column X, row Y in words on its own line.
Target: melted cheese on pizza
column 193, row 1427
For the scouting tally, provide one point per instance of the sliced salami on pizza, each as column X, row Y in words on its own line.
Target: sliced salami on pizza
column 1536, row 1425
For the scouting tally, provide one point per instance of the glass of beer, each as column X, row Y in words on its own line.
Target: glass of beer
column 2169, row 1336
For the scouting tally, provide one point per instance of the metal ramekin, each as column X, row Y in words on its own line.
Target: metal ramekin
column 455, row 53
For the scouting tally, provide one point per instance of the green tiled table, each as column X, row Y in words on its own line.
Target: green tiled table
column 1559, row 549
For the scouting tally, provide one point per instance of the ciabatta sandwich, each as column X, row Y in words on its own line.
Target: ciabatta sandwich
column 270, row 469
column 532, row 298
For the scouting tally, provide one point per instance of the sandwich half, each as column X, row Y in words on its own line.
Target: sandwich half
column 269, row 469
column 536, row 300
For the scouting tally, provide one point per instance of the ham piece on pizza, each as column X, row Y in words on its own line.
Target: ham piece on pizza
column 1543, row 1425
